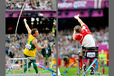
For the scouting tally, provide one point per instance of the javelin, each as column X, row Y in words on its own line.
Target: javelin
column 19, row 17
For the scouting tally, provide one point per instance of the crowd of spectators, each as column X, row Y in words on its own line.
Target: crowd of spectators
column 30, row 4
column 66, row 44
column 16, row 44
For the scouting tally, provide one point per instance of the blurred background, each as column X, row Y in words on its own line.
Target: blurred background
column 94, row 13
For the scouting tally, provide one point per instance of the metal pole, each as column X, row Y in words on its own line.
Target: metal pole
column 23, row 65
column 84, row 72
column 98, row 66
column 27, row 65
column 78, row 62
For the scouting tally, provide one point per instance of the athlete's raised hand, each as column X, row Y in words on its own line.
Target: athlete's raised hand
column 79, row 20
column 25, row 20
column 27, row 27
column 76, row 16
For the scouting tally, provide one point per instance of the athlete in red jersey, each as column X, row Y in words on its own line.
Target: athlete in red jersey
column 83, row 35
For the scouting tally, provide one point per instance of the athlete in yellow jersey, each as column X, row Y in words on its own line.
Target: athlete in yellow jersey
column 31, row 46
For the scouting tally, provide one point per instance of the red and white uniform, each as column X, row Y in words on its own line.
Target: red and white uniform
column 85, row 38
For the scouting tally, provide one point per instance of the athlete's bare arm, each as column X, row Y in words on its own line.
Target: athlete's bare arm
column 74, row 35
column 27, row 27
column 79, row 20
column 34, row 42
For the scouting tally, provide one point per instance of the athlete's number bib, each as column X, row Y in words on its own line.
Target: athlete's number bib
column 91, row 54
column 28, row 46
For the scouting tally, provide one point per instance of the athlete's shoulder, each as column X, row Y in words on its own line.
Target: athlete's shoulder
column 29, row 35
column 35, row 40
column 78, row 36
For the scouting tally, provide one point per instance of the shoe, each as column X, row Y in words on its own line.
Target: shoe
column 92, row 70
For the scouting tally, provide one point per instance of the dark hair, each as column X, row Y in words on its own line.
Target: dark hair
column 33, row 31
column 77, row 28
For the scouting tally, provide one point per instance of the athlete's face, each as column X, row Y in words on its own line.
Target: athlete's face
column 36, row 33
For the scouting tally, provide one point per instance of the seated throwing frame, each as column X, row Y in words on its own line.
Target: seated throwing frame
column 90, row 52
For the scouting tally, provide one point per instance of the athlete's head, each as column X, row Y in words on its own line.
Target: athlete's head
column 35, row 32
column 77, row 28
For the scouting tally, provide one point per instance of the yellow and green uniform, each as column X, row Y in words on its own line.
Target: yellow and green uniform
column 30, row 51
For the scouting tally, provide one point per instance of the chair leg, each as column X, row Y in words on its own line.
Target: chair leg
column 84, row 66
column 91, row 64
column 78, row 62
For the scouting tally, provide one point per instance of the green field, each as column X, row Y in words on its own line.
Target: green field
column 32, row 71
column 71, row 71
